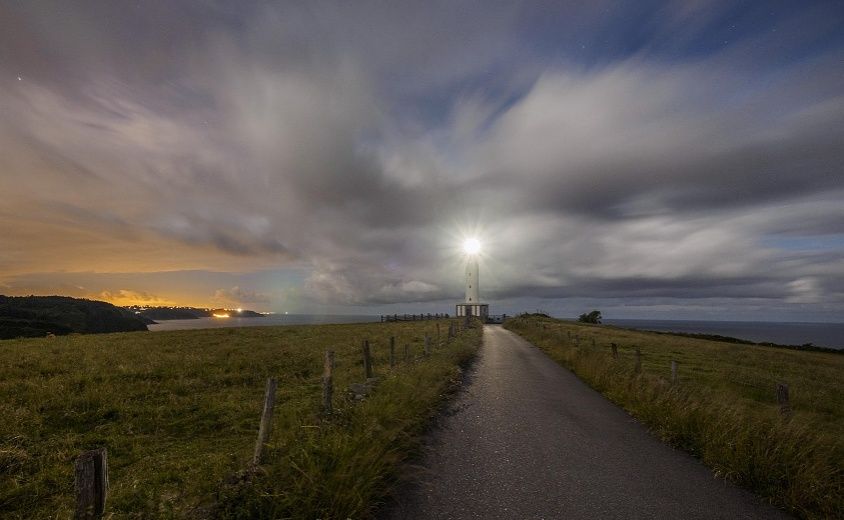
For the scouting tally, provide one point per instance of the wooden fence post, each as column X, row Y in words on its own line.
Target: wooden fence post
column 392, row 351
column 367, row 359
column 266, row 420
column 569, row 334
column 782, row 399
column 91, row 483
column 673, row 371
column 614, row 350
column 427, row 344
column 328, row 382
column 438, row 334
column 406, row 352
column 638, row 360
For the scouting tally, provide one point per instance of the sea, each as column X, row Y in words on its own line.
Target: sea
column 263, row 321
column 830, row 335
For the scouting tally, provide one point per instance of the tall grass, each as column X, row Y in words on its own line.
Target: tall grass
column 723, row 410
column 178, row 412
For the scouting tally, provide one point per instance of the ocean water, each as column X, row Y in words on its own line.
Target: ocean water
column 830, row 335
column 264, row 321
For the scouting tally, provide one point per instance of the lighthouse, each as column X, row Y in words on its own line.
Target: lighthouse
column 472, row 305
column 472, row 280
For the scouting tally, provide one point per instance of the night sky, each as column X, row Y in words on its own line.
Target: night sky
column 649, row 159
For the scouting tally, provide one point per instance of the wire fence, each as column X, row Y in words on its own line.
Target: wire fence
column 773, row 387
column 91, row 482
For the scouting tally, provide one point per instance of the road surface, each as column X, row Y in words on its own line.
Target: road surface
column 526, row 439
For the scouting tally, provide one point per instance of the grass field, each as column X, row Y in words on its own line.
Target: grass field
column 178, row 412
column 723, row 409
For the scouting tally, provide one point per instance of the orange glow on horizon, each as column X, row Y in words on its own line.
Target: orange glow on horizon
column 220, row 315
column 135, row 298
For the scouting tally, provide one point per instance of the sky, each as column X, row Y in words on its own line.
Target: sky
column 665, row 160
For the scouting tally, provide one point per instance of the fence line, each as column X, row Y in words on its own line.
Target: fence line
column 367, row 359
column 266, row 426
column 90, row 474
column 91, row 467
column 492, row 318
column 413, row 317
column 328, row 382
column 781, row 389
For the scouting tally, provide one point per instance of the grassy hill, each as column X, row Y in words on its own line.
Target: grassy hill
column 179, row 411
column 37, row 316
column 723, row 409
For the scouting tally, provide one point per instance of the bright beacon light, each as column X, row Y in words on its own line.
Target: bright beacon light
column 472, row 246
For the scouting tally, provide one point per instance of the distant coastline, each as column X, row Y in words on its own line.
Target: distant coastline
column 797, row 335
column 189, row 313
column 40, row 316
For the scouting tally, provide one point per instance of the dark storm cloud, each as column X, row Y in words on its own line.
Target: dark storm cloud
column 686, row 288
column 600, row 150
column 640, row 137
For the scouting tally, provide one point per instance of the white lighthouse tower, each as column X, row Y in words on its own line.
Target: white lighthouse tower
column 472, row 280
column 472, row 306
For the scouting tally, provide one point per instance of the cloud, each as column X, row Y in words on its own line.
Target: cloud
column 642, row 138
column 332, row 286
column 358, row 144
column 236, row 295
column 124, row 297
column 805, row 290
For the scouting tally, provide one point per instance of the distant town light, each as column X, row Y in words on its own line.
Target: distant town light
column 220, row 315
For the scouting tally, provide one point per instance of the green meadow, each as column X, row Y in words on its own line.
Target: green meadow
column 723, row 408
column 179, row 413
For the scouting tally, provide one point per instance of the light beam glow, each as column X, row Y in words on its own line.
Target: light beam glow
column 472, row 246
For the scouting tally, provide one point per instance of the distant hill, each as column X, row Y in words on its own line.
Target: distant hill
column 188, row 313
column 169, row 313
column 37, row 316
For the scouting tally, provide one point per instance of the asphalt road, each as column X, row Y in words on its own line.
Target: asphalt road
column 528, row 439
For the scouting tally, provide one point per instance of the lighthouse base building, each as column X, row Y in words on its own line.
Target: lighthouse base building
column 478, row 310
